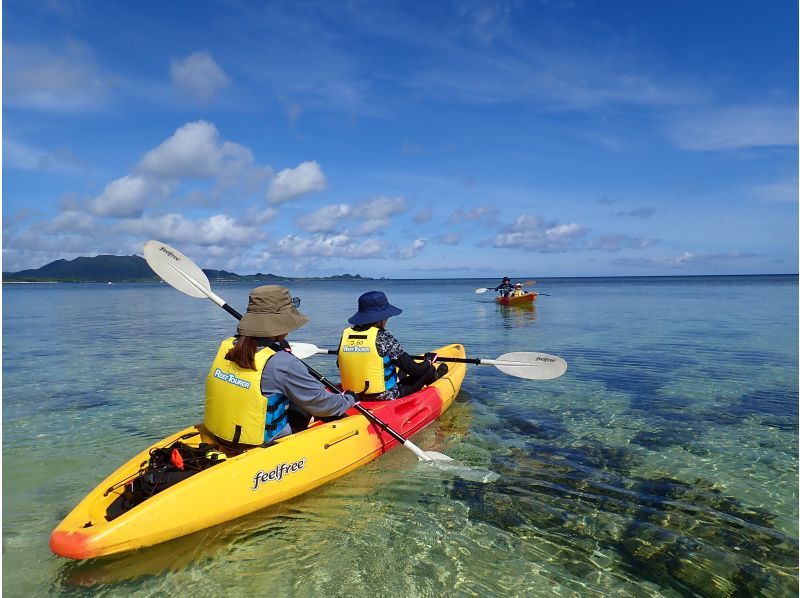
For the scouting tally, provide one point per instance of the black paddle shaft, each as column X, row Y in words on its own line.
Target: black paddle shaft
column 474, row 361
column 364, row 411
column 232, row 311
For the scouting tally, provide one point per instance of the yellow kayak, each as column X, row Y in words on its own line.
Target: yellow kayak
column 246, row 480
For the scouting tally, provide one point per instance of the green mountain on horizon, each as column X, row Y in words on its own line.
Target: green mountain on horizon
column 134, row 268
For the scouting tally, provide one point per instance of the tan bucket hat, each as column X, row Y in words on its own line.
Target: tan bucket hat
column 270, row 312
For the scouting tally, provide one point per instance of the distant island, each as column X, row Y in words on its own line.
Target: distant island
column 134, row 268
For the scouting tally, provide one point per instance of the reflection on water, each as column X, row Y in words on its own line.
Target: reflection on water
column 517, row 316
column 663, row 463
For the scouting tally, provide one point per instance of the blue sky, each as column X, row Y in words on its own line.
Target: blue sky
column 405, row 139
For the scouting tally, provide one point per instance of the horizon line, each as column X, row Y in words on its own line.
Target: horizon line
column 383, row 278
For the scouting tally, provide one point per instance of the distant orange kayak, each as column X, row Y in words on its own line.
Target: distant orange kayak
column 519, row 300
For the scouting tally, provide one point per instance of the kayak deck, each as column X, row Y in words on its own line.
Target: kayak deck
column 248, row 480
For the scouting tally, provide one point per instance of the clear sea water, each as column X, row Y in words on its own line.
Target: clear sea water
column 663, row 463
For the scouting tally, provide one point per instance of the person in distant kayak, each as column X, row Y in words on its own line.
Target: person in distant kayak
column 371, row 360
column 517, row 292
column 256, row 390
column 505, row 287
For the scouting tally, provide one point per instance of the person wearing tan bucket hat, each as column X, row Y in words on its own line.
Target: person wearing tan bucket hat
column 256, row 390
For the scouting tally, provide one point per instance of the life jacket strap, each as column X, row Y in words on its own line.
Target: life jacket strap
column 236, row 435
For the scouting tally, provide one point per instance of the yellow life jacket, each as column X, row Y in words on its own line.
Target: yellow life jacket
column 362, row 369
column 236, row 411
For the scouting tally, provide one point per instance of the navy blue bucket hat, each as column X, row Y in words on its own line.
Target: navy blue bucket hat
column 373, row 307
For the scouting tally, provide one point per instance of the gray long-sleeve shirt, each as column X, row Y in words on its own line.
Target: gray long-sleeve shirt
column 286, row 374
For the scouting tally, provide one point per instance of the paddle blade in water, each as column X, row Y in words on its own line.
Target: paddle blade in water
column 176, row 269
column 533, row 366
column 465, row 472
column 434, row 456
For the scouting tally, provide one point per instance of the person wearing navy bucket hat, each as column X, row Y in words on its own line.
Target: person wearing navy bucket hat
column 371, row 359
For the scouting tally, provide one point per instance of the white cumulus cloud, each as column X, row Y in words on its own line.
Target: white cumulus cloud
column 341, row 245
column 71, row 221
column 126, row 197
column 412, row 250
column 293, row 182
column 362, row 219
column 195, row 151
column 219, row 229
column 326, row 219
column 376, row 214
column 257, row 216
column 533, row 233
column 381, row 208
column 198, row 76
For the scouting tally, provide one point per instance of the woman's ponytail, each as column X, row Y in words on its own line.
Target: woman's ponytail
column 243, row 353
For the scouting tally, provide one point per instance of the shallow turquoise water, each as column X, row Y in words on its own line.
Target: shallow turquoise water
column 663, row 463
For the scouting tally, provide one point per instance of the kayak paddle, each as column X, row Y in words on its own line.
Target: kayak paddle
column 182, row 274
column 522, row 364
column 527, row 283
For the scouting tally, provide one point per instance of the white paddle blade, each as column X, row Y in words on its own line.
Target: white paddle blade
column 434, row 456
column 532, row 366
column 176, row 269
column 465, row 472
column 305, row 350
column 479, row 291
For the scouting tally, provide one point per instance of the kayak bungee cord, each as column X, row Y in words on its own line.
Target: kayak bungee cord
column 133, row 475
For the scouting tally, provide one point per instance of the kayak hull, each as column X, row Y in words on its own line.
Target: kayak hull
column 248, row 481
column 521, row 300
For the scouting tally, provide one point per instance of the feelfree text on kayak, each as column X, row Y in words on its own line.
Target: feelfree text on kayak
column 277, row 474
